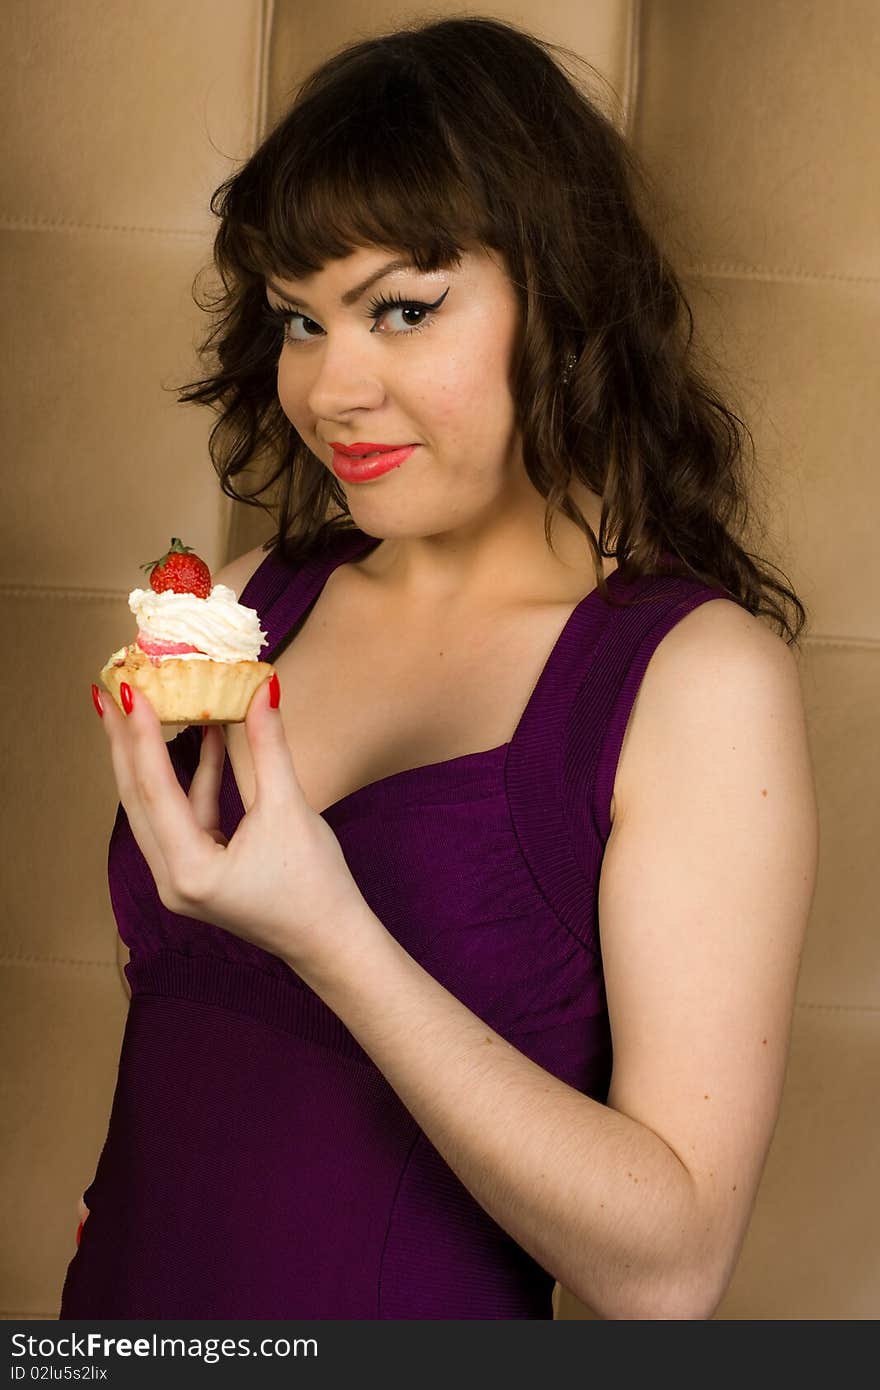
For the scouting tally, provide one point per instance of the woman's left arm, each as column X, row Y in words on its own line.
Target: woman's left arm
column 640, row 1206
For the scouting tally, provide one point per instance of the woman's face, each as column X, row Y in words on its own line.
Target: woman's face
column 352, row 370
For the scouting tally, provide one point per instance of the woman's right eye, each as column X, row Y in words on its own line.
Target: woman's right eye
column 279, row 318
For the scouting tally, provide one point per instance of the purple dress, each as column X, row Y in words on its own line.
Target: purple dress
column 257, row 1164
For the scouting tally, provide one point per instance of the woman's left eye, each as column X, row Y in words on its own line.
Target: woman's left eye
column 284, row 317
column 379, row 307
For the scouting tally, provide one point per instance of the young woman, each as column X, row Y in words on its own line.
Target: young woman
column 469, row 964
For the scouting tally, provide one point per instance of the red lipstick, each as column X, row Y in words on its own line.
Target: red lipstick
column 351, row 464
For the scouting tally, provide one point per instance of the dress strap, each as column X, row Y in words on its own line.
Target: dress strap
column 282, row 594
column 561, row 767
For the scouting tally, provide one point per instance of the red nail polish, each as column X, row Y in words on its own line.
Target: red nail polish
column 79, row 1231
column 126, row 697
column 96, row 700
column 274, row 691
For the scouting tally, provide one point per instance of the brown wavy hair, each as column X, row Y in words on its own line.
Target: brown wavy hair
column 461, row 131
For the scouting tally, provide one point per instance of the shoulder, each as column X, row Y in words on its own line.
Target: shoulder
column 716, row 632
column 720, row 698
column 722, row 674
column 238, row 572
column 719, row 670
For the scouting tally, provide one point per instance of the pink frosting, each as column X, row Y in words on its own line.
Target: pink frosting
column 163, row 648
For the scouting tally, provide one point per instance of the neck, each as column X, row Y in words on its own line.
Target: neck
column 488, row 561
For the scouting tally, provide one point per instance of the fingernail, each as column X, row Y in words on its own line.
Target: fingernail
column 126, row 697
column 96, row 700
column 79, row 1231
column 274, row 691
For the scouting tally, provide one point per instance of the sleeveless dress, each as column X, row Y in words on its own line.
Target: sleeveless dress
column 257, row 1164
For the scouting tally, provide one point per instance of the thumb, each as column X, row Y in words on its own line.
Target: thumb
column 275, row 780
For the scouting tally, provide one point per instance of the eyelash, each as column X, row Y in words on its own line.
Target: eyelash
column 278, row 318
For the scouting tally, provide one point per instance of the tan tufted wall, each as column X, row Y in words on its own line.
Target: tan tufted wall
column 757, row 119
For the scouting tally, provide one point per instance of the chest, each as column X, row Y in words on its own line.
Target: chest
column 366, row 693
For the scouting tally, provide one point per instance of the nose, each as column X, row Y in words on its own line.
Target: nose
column 347, row 379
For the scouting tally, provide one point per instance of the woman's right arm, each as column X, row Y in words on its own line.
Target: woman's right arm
column 235, row 576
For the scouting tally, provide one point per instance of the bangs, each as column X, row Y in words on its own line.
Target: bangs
column 383, row 174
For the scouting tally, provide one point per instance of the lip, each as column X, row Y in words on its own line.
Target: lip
column 356, row 451
column 352, row 469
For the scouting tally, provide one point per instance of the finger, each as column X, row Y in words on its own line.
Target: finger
column 204, row 791
column 275, row 780
column 162, row 804
column 121, row 753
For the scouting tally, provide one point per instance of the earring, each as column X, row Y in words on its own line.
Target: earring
column 570, row 364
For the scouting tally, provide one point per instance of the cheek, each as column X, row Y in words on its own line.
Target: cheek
column 468, row 394
column 288, row 397
column 475, row 373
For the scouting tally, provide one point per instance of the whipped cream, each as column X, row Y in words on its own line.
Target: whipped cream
column 222, row 628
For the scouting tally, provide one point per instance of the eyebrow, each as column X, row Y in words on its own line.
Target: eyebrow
column 353, row 295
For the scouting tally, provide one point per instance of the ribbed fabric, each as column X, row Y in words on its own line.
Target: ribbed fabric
column 257, row 1164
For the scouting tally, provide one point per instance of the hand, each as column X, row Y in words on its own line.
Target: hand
column 281, row 882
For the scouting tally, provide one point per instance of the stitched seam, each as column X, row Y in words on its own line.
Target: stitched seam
column 25, row 1313
column 261, row 82
column 858, row 643
column 67, row 224
column 403, row 1172
column 592, row 947
column 793, row 274
column 632, row 79
column 10, row 958
column 38, row 591
column 840, row 1008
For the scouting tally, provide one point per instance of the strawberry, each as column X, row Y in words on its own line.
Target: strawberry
column 179, row 569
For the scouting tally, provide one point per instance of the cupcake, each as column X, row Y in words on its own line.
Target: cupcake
column 196, row 655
